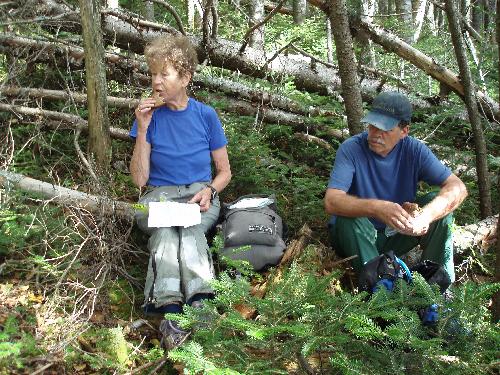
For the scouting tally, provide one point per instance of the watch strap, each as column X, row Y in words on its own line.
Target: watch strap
column 214, row 192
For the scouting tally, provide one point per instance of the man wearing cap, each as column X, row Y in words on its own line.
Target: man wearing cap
column 374, row 173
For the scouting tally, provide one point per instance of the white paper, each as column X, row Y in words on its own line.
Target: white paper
column 251, row 203
column 173, row 214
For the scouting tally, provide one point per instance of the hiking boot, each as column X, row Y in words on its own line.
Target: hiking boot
column 172, row 335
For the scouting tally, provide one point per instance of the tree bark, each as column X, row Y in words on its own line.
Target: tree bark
column 299, row 11
column 257, row 15
column 351, row 92
column 472, row 109
column 99, row 141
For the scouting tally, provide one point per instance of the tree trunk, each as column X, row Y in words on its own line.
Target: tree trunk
column 419, row 19
column 149, row 11
column 256, row 16
column 99, row 140
column 299, row 11
column 404, row 10
column 496, row 297
column 329, row 43
column 472, row 109
column 382, row 7
column 367, row 55
column 477, row 15
column 68, row 197
column 351, row 92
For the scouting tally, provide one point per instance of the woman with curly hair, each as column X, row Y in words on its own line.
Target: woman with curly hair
column 176, row 139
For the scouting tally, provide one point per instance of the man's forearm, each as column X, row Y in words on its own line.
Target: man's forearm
column 351, row 206
column 451, row 195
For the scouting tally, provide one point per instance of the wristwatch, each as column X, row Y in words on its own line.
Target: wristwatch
column 214, row 192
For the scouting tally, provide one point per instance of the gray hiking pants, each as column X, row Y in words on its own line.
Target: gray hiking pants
column 180, row 264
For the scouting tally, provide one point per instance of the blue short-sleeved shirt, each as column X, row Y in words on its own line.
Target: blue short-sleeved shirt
column 181, row 142
column 361, row 172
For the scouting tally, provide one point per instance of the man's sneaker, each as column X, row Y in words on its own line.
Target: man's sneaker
column 172, row 335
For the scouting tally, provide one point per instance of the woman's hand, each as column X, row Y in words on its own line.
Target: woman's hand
column 203, row 198
column 144, row 113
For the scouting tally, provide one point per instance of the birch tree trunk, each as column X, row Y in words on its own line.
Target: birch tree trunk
column 472, row 109
column 299, row 11
column 99, row 145
column 404, row 10
column 351, row 92
column 256, row 16
column 419, row 19
column 329, row 44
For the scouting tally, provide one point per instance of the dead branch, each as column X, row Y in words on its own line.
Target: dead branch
column 172, row 11
column 296, row 247
column 311, row 138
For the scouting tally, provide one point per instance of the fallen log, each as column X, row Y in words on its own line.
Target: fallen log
column 64, row 196
column 465, row 237
column 125, row 69
column 60, row 119
column 222, row 53
column 261, row 113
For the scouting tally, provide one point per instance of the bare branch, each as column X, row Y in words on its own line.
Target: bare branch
column 172, row 11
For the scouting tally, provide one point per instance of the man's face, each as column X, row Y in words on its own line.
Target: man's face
column 382, row 142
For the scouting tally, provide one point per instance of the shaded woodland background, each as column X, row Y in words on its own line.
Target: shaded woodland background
column 290, row 81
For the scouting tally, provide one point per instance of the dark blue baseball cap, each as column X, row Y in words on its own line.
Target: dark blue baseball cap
column 388, row 110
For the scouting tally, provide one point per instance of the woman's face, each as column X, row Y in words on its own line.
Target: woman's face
column 167, row 82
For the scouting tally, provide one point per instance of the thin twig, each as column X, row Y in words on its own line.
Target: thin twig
column 277, row 53
column 343, row 260
column 42, row 369
column 301, row 51
column 82, row 156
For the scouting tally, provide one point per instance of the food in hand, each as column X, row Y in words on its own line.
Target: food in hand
column 158, row 100
column 412, row 208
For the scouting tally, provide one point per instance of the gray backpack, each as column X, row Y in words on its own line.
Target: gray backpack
column 261, row 228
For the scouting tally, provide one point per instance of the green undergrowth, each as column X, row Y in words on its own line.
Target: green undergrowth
column 305, row 317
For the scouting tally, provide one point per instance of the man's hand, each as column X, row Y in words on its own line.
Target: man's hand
column 203, row 198
column 420, row 225
column 395, row 216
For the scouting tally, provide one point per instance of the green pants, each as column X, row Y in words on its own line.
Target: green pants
column 358, row 236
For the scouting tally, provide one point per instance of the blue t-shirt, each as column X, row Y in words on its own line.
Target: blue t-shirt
column 181, row 142
column 361, row 172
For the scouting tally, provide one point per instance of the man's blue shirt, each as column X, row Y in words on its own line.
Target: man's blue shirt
column 181, row 142
column 360, row 172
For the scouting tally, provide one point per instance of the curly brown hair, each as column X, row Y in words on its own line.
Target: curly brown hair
column 174, row 50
